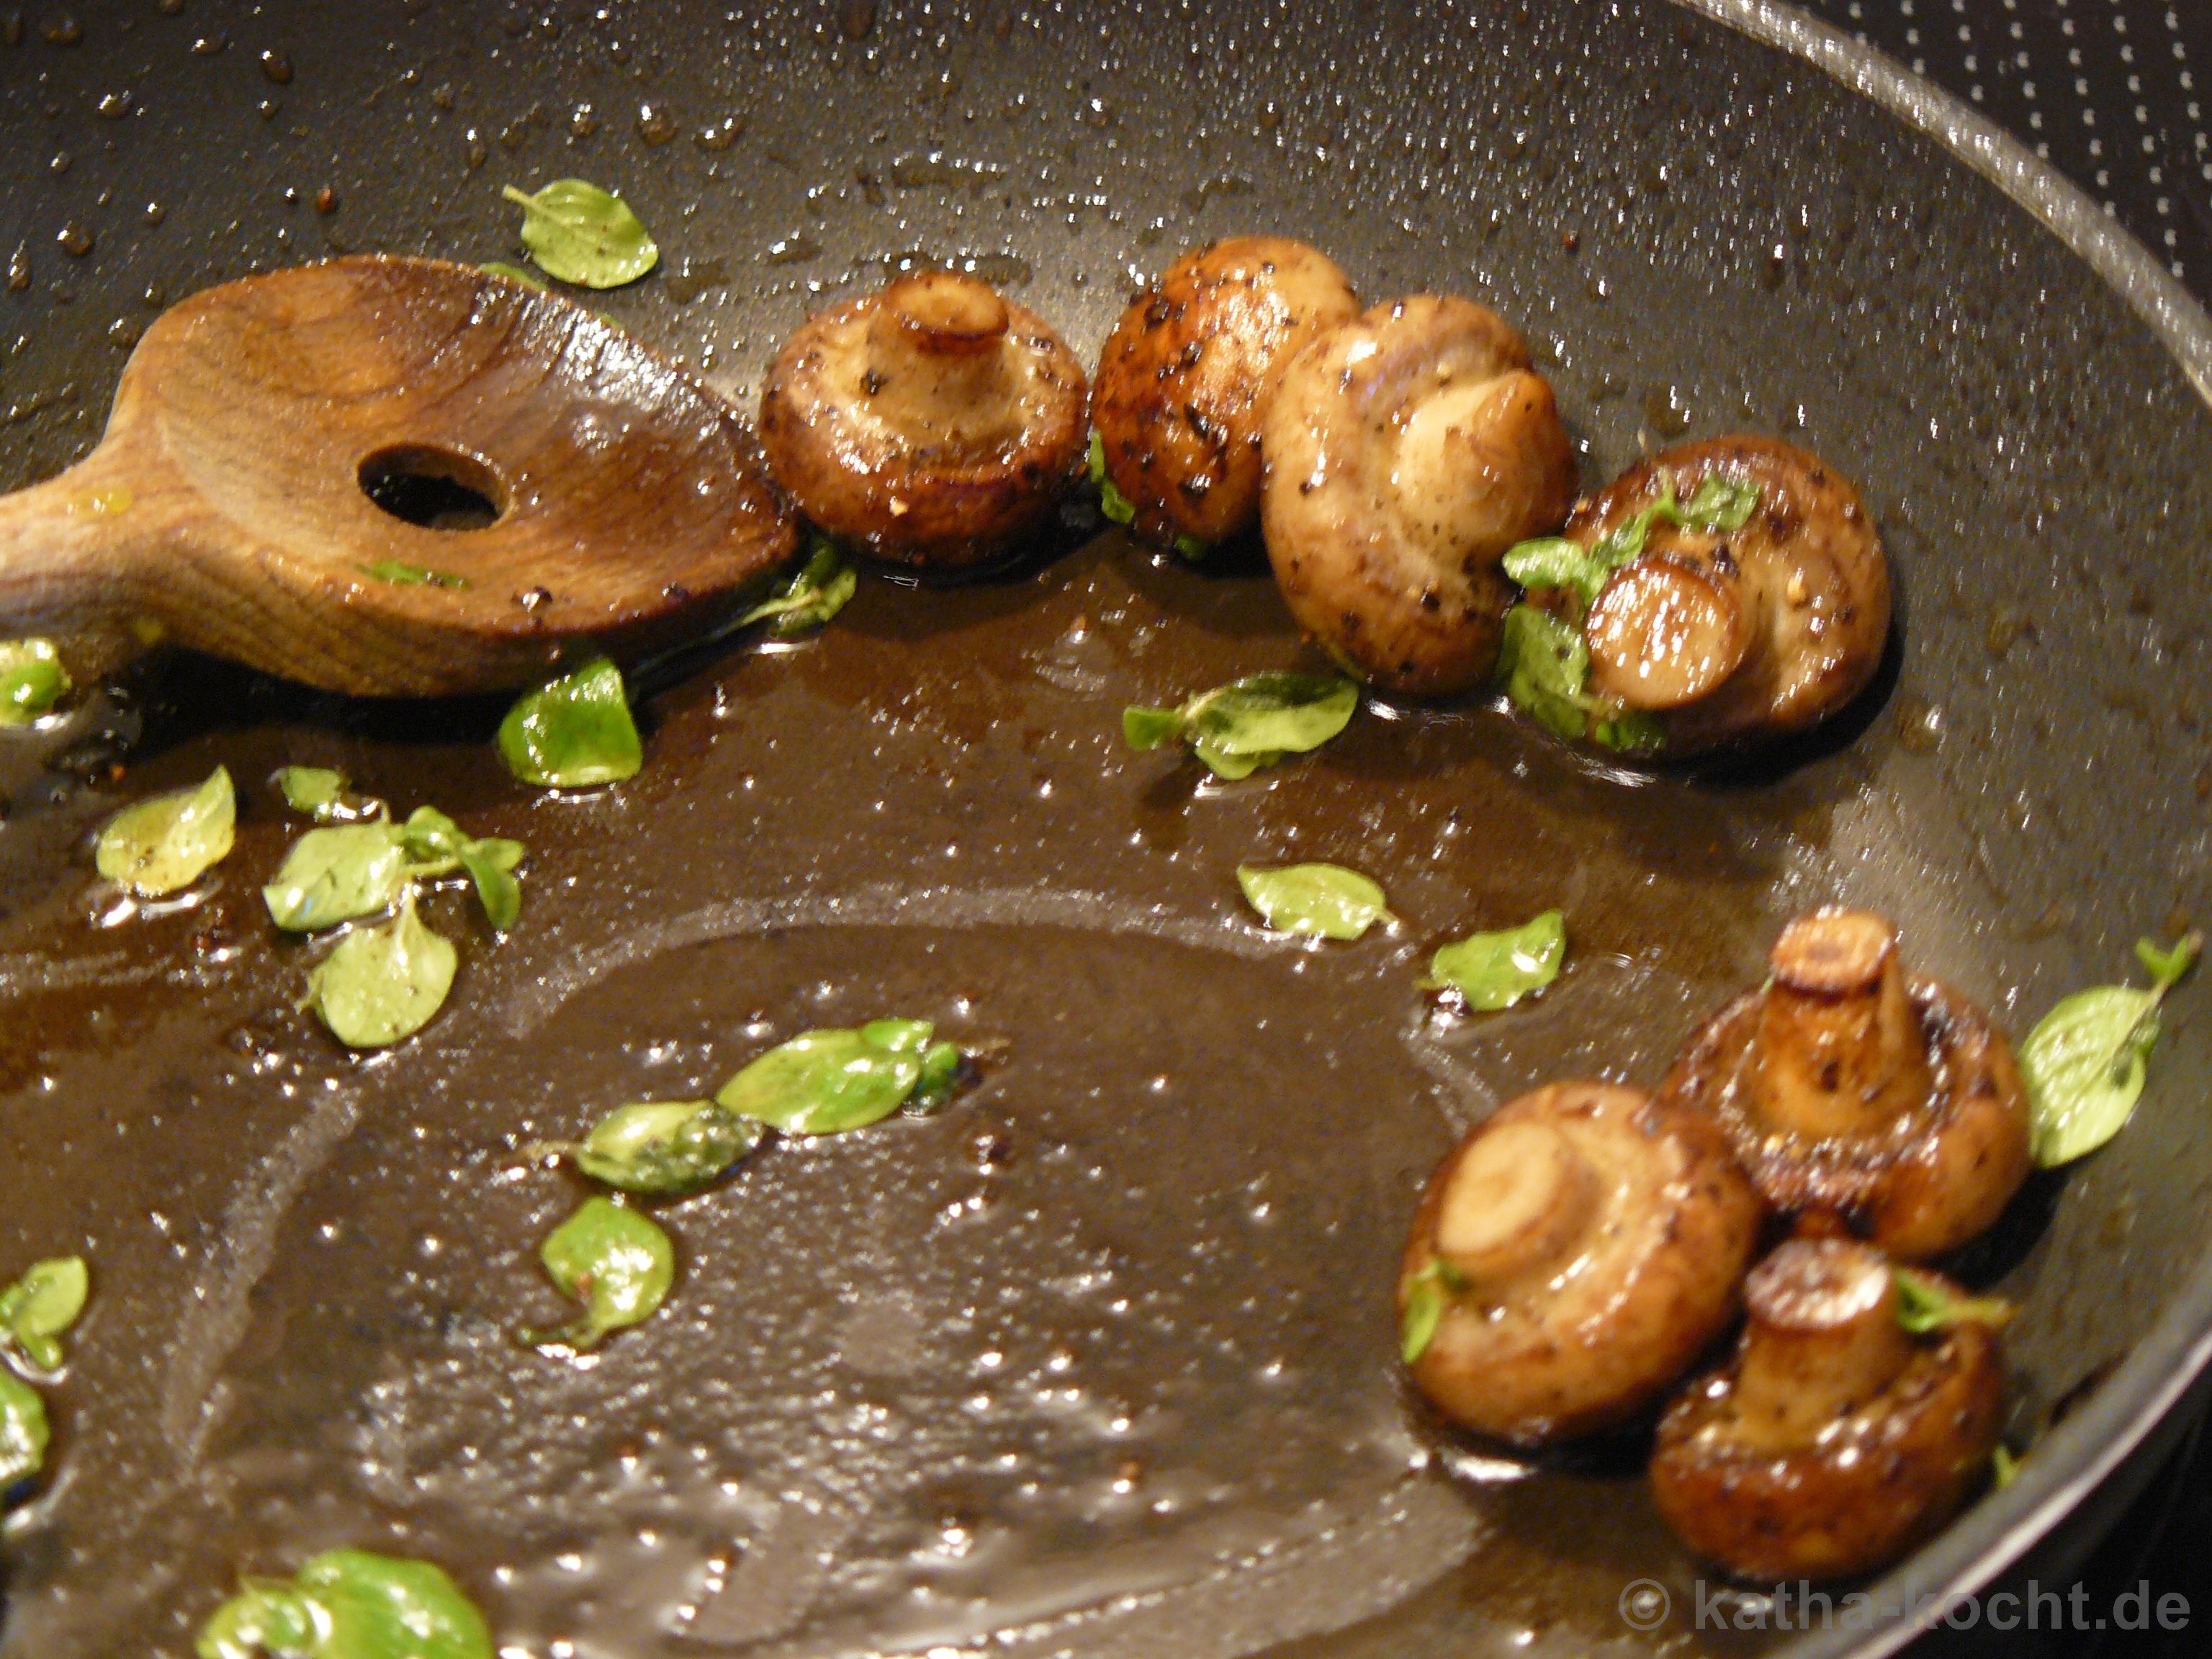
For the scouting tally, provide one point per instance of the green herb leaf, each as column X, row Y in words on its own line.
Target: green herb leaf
column 1924, row 1303
column 1231, row 765
column 1495, row 970
column 582, row 235
column 1545, row 665
column 1557, row 562
column 2085, row 1063
column 32, row 680
column 263, row 1618
column 575, row 732
column 619, row 1263
column 433, row 840
column 490, row 865
column 1237, row 728
column 22, row 1430
column 2166, row 967
column 1718, row 506
column 315, row 790
column 1112, row 506
column 336, row 874
column 817, row 591
column 350, row 1604
column 1326, row 899
column 1192, row 549
column 1149, row 728
column 1273, row 713
column 514, row 274
column 2003, row 1466
column 383, row 984
column 1426, row 1298
column 438, row 847
column 829, row 1080
column 665, row 1147
column 39, row 1306
column 942, row 1067
column 169, row 842
column 400, row 573
column 1633, row 731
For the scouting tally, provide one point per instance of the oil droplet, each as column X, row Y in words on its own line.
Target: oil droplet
column 60, row 164
column 326, row 200
column 208, row 45
column 653, row 125
column 856, row 18
column 156, row 213
column 77, row 242
column 583, row 120
column 19, row 268
column 720, row 134
column 63, row 30
column 1667, row 413
column 1919, row 724
column 100, row 503
column 277, row 67
column 114, row 106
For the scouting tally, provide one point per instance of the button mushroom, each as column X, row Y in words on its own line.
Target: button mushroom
column 1585, row 1243
column 1189, row 371
column 1834, row 1441
column 1730, row 625
column 934, row 424
column 1406, row 452
column 1860, row 1100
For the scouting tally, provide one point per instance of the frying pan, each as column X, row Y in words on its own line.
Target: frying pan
column 1099, row 1361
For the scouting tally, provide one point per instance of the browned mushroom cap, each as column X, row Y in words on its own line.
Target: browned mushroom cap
column 1406, row 452
column 1592, row 1239
column 934, row 424
column 1833, row 1442
column 1860, row 1099
column 1189, row 372
column 1729, row 635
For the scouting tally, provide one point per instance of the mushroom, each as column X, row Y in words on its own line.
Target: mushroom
column 1188, row 372
column 1834, row 1441
column 1728, row 627
column 1860, row 1100
column 1406, row 452
column 934, row 424
column 1587, row 1241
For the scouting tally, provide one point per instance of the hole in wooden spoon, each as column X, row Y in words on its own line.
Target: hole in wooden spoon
column 437, row 489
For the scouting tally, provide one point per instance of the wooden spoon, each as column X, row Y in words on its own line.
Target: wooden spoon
column 228, row 507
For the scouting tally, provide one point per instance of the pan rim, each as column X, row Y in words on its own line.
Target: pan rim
column 2173, row 1358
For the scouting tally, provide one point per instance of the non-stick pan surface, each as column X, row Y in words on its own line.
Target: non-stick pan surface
column 1099, row 1361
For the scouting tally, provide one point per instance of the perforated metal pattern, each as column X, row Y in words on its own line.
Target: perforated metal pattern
column 2111, row 91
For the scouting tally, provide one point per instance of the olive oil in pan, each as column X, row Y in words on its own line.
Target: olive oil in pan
column 1111, row 1334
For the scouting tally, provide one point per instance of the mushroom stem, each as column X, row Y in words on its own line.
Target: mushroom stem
column 1823, row 1339
column 1839, row 1049
column 935, row 358
column 1668, row 630
column 1521, row 1196
column 944, row 315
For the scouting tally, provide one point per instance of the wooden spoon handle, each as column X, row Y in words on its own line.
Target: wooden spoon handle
column 67, row 567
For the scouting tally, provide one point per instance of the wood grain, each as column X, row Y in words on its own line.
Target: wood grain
column 224, row 508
